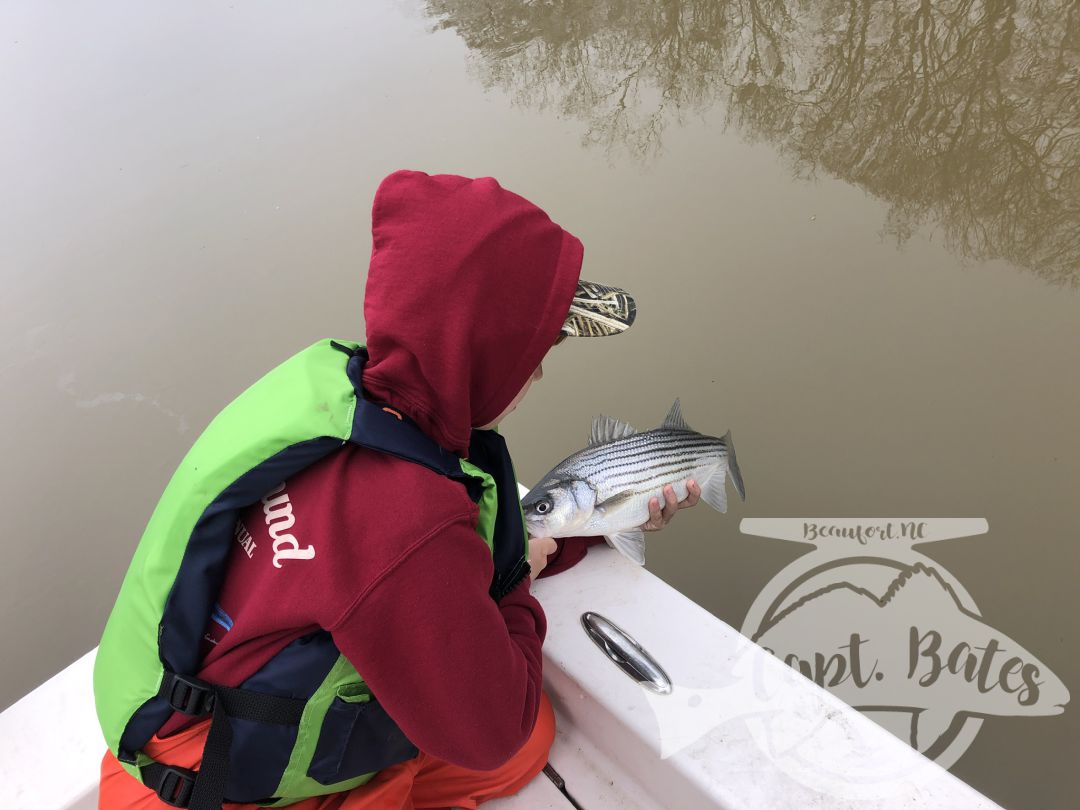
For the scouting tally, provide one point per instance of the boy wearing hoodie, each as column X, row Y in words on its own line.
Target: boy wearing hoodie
column 469, row 287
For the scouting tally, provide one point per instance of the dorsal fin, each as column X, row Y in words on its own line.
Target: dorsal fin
column 607, row 429
column 674, row 420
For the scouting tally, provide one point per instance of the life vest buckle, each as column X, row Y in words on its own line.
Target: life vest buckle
column 176, row 786
column 188, row 694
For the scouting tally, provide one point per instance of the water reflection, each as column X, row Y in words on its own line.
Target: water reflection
column 962, row 114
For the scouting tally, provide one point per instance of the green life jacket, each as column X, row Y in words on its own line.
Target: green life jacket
column 305, row 724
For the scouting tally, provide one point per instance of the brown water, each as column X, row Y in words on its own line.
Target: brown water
column 852, row 231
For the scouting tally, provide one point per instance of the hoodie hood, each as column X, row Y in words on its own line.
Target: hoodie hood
column 468, row 289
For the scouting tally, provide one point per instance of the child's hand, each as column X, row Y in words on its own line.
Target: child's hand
column 539, row 549
column 659, row 519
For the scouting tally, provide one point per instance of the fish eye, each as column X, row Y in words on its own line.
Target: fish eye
column 543, row 507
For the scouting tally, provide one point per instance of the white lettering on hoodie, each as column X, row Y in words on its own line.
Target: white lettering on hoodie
column 279, row 518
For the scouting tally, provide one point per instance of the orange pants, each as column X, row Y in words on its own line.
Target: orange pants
column 423, row 781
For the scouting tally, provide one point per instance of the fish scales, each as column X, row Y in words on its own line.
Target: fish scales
column 652, row 440
column 618, row 468
column 653, row 485
column 642, row 445
column 616, row 462
column 615, row 465
column 625, row 476
column 658, row 478
column 622, row 476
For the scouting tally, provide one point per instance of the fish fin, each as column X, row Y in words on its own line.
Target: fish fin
column 733, row 467
column 928, row 726
column 608, row 429
column 713, row 492
column 630, row 543
column 674, row 420
column 613, row 503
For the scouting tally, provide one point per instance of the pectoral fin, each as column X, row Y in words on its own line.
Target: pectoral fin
column 630, row 544
column 613, row 504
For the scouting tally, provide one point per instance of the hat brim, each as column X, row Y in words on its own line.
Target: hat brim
column 599, row 310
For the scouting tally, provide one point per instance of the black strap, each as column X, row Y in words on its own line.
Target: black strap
column 205, row 789
column 208, row 792
column 173, row 785
column 487, row 450
column 194, row 696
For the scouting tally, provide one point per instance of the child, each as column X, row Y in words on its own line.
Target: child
column 418, row 581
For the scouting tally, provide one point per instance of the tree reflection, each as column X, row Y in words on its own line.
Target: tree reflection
column 963, row 113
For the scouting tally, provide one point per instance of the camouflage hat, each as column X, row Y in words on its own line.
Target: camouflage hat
column 599, row 311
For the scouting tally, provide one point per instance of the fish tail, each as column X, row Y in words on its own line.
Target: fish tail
column 733, row 467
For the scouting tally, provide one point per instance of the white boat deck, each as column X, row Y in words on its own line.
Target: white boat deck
column 740, row 731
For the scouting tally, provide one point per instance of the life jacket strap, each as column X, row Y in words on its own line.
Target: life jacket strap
column 173, row 785
column 205, row 789
column 187, row 694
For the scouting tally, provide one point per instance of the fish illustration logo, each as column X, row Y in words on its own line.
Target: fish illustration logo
column 894, row 634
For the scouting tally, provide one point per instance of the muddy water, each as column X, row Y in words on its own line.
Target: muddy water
column 853, row 235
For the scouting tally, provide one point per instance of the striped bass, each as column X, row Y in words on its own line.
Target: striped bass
column 605, row 489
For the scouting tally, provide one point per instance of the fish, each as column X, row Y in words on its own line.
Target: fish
column 921, row 654
column 605, row 488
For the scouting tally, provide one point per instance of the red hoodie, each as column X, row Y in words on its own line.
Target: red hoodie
column 468, row 287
